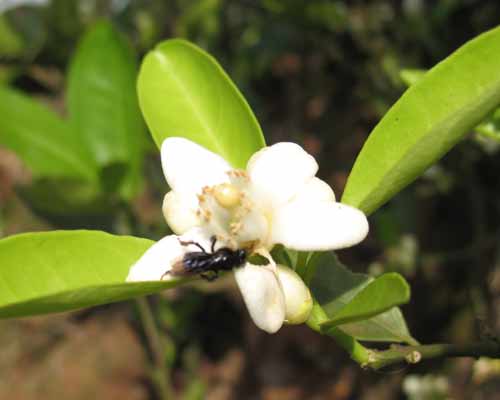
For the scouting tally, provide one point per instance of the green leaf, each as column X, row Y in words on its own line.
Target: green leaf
column 489, row 128
column 70, row 198
column 11, row 43
column 103, row 106
column 428, row 120
column 380, row 295
column 411, row 76
column 41, row 139
column 184, row 92
column 199, row 19
column 7, row 73
column 66, row 270
column 334, row 287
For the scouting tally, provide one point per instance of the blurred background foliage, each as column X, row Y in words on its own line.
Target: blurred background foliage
column 317, row 72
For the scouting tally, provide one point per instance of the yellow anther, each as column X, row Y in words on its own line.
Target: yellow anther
column 237, row 173
column 235, row 227
column 207, row 214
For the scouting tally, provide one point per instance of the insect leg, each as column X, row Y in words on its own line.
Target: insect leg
column 214, row 239
column 193, row 243
column 165, row 274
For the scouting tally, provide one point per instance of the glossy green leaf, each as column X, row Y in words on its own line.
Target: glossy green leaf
column 429, row 119
column 66, row 270
column 103, row 106
column 334, row 287
column 380, row 295
column 489, row 128
column 44, row 142
column 184, row 92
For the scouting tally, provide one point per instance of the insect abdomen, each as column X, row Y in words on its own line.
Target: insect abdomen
column 200, row 262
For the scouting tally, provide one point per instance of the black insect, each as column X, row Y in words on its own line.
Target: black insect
column 206, row 264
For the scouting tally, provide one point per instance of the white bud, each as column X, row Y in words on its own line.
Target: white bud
column 298, row 299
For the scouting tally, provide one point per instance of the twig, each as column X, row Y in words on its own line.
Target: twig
column 160, row 373
column 397, row 354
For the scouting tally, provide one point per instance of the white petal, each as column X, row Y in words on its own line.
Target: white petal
column 179, row 209
column 312, row 226
column 298, row 298
column 157, row 260
column 160, row 257
column 263, row 296
column 188, row 166
column 279, row 171
column 315, row 190
column 253, row 226
column 198, row 235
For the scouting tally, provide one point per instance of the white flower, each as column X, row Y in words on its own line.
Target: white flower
column 276, row 200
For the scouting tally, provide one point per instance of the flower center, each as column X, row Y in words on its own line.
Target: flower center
column 227, row 195
column 229, row 211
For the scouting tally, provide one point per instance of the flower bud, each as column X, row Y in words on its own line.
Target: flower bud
column 298, row 299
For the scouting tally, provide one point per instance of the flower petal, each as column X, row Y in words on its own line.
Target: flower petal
column 315, row 190
column 312, row 226
column 263, row 296
column 198, row 235
column 179, row 209
column 279, row 171
column 298, row 298
column 252, row 227
column 188, row 166
column 159, row 258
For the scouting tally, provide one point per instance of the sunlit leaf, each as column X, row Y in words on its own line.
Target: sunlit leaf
column 184, row 92
column 65, row 270
column 428, row 120
column 489, row 128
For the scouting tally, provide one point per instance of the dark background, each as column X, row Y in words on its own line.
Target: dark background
column 322, row 74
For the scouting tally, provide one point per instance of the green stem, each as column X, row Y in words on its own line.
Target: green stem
column 356, row 350
column 397, row 354
column 160, row 373
column 413, row 354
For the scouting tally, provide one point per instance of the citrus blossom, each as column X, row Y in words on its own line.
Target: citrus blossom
column 277, row 199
